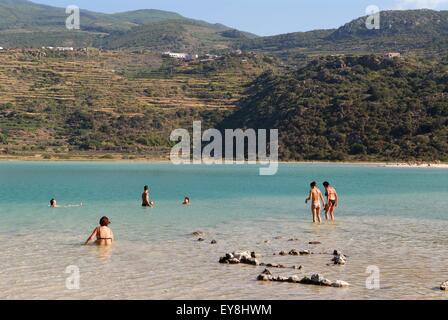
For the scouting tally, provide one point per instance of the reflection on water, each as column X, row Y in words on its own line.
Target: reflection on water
column 103, row 252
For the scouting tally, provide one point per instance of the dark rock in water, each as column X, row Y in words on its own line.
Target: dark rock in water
column 199, row 233
column 280, row 279
column 304, row 252
column 316, row 279
column 267, row 271
column 264, row 277
column 294, row 279
column 281, row 266
column 255, row 255
column 201, row 239
column 262, row 264
column 272, row 265
column 234, row 261
column 293, row 239
column 337, row 252
column 293, row 252
column 339, row 259
column 213, row 242
column 314, row 242
column 444, row 286
column 282, row 253
column 296, row 267
column 278, row 238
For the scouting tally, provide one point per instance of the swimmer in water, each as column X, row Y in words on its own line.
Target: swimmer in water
column 186, row 201
column 316, row 197
column 104, row 235
column 53, row 203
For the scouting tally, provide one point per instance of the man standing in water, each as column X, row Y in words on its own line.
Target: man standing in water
column 332, row 200
column 316, row 197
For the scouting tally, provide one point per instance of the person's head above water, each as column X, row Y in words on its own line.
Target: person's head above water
column 186, row 200
column 53, row 202
column 313, row 184
column 146, row 188
column 104, row 221
column 326, row 184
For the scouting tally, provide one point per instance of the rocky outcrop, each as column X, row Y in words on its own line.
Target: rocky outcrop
column 295, row 252
column 315, row 279
column 244, row 257
column 339, row 258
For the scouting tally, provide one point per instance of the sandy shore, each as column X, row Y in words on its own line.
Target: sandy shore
column 149, row 159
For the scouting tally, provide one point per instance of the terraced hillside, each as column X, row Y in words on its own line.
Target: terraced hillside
column 56, row 104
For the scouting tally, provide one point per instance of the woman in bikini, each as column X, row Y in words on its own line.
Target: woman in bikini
column 316, row 197
column 104, row 235
column 332, row 201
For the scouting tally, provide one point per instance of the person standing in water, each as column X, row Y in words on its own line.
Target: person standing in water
column 332, row 200
column 316, row 197
column 146, row 202
column 104, row 235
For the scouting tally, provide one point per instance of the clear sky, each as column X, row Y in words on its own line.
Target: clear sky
column 262, row 17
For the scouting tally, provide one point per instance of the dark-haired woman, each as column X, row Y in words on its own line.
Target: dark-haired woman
column 103, row 234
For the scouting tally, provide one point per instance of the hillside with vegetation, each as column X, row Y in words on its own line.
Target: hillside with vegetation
column 353, row 108
column 407, row 30
column 104, row 103
column 24, row 24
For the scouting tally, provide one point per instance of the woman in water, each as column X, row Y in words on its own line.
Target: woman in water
column 332, row 201
column 186, row 201
column 103, row 234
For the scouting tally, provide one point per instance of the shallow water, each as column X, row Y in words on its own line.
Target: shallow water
column 392, row 218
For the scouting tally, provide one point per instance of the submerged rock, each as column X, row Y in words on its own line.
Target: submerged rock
column 304, row 252
column 201, row 239
column 444, row 286
column 255, row 255
column 282, row 253
column 239, row 257
column 267, row 271
column 314, row 242
column 213, row 242
column 293, row 252
column 264, row 277
column 339, row 258
column 340, row 284
column 199, row 233
column 315, row 279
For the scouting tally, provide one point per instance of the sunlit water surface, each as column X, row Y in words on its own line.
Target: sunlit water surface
column 391, row 218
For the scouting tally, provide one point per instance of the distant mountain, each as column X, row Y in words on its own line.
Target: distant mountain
column 399, row 30
column 27, row 24
column 178, row 34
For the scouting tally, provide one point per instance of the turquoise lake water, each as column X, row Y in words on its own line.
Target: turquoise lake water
column 232, row 203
